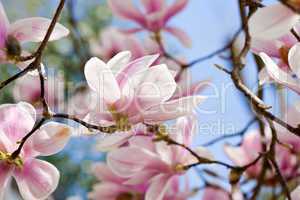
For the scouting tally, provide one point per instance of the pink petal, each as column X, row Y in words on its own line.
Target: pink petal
column 153, row 5
column 172, row 109
column 119, row 61
column 237, row 155
column 16, row 120
column 264, row 76
column 212, row 193
column 107, row 191
column 145, row 142
column 5, row 144
column 176, row 7
column 127, row 161
column 180, row 35
column 270, row 47
column 164, row 151
column 272, row 22
column 34, row 30
column 51, row 138
column 293, row 58
column 125, row 9
column 296, row 194
column 158, row 187
column 110, row 142
column 4, row 24
column 5, row 173
column 141, row 177
column 101, row 79
column 37, row 179
column 134, row 68
column 278, row 74
column 157, row 85
column 104, row 173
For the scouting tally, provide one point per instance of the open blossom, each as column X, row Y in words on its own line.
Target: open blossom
column 114, row 187
column 270, row 30
column 156, row 16
column 113, row 41
column 143, row 160
column 27, row 88
column 286, row 157
column 111, row 186
column 12, row 36
column 35, row 178
column 134, row 92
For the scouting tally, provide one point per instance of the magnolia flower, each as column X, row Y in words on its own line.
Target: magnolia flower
column 27, row 88
column 112, row 41
column 111, row 186
column 133, row 92
column 286, row 157
column 156, row 16
column 296, row 194
column 12, row 36
column 158, row 162
column 288, row 76
column 270, row 30
column 36, row 179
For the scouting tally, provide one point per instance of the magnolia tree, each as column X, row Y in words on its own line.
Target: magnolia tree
column 140, row 98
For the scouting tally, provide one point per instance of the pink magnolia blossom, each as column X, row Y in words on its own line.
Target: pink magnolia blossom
column 158, row 162
column 113, row 187
column 112, row 41
column 28, row 89
column 35, row 178
column 156, row 16
column 133, row 92
column 22, row 31
column 270, row 31
column 252, row 145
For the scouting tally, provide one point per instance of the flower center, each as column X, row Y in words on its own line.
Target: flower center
column 129, row 196
column 125, row 196
column 121, row 120
column 18, row 162
column 179, row 168
column 13, row 48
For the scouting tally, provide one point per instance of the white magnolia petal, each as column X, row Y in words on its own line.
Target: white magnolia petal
column 34, row 30
column 101, row 79
column 51, row 138
column 293, row 58
column 272, row 22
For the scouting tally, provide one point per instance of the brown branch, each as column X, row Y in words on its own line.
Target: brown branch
column 16, row 153
column 109, row 129
column 36, row 64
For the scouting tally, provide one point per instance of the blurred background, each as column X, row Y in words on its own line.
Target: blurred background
column 210, row 24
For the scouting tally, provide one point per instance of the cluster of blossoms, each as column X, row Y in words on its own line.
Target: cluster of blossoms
column 132, row 91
